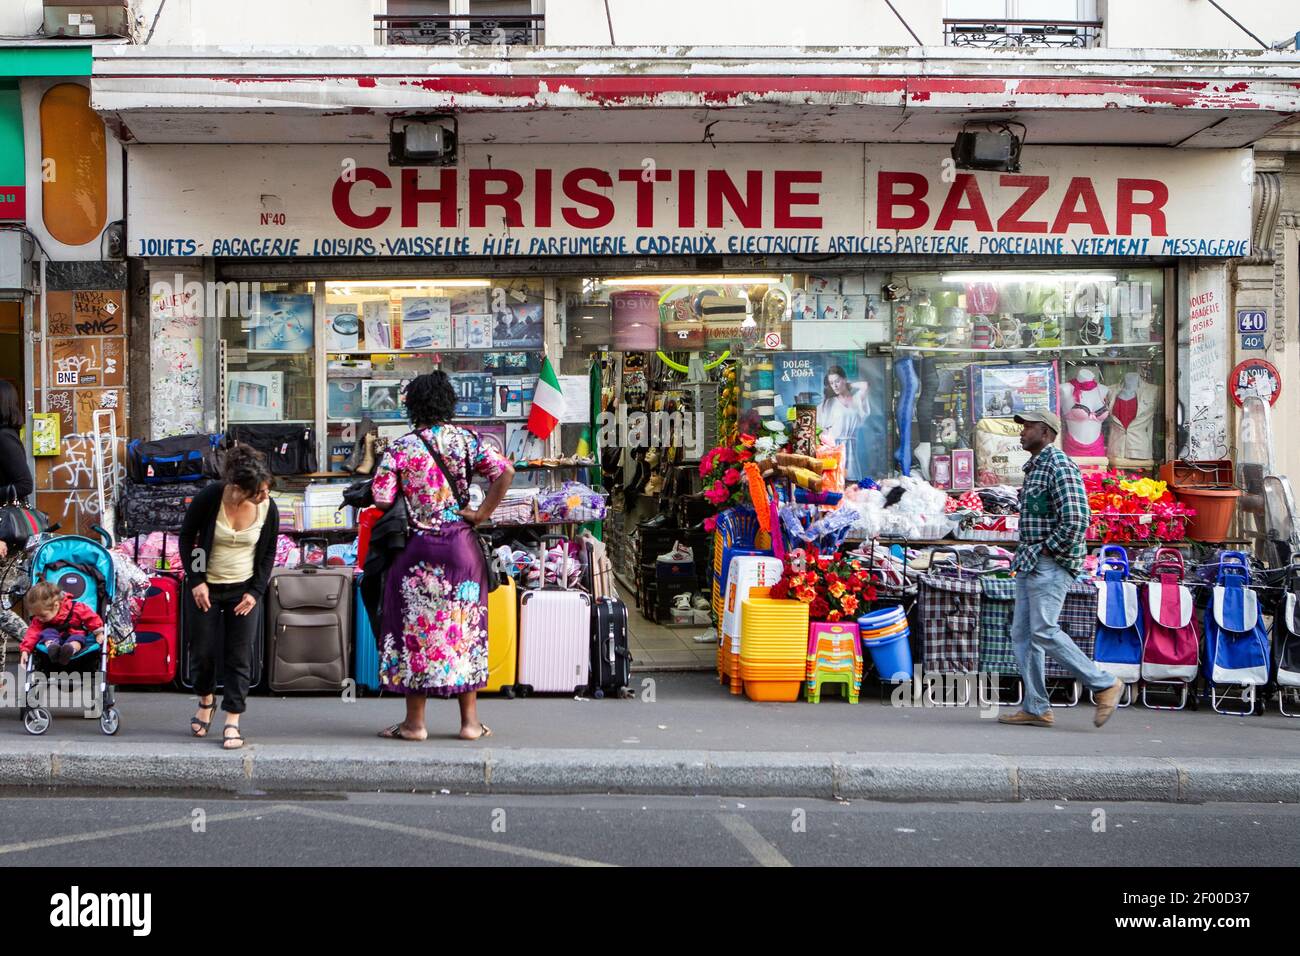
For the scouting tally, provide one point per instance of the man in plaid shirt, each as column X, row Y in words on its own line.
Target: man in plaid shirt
column 1054, row 518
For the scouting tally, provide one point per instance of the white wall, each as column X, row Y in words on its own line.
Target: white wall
column 275, row 22
column 1195, row 24
column 742, row 22
column 20, row 18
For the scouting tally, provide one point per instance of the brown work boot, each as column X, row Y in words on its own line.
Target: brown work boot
column 1106, row 701
column 1023, row 718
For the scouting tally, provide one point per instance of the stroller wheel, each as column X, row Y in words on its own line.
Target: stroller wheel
column 36, row 721
column 110, row 721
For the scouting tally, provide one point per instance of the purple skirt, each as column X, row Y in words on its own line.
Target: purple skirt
column 433, row 623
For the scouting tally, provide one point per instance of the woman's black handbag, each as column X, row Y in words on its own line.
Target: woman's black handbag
column 484, row 542
column 18, row 520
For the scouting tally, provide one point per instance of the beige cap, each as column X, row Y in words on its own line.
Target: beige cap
column 1050, row 419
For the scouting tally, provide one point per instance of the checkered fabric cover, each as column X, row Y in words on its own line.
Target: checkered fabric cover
column 1079, row 620
column 949, row 613
column 997, row 606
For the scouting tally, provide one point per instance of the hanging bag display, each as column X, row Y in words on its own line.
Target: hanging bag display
column 289, row 449
column 1287, row 631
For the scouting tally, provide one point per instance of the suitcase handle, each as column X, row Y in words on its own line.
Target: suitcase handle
column 562, row 577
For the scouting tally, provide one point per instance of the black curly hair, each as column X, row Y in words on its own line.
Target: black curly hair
column 247, row 470
column 430, row 399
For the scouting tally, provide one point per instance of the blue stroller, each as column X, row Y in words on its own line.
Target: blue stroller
column 1118, row 650
column 1236, row 641
column 84, row 569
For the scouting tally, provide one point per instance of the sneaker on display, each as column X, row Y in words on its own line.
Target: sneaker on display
column 708, row 637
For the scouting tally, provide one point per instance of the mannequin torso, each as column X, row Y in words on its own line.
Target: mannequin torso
column 1084, row 407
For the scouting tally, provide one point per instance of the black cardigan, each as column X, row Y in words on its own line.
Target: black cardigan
column 200, row 525
column 13, row 466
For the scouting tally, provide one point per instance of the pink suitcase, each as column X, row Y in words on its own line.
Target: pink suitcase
column 554, row 637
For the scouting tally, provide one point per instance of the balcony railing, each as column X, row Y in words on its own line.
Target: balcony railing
column 442, row 30
column 1021, row 33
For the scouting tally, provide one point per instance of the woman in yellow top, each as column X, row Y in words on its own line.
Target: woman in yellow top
column 228, row 545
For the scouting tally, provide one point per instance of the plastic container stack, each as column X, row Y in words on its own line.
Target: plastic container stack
column 773, row 648
column 885, row 634
column 834, row 657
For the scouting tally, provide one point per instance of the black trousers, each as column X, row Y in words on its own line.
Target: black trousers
column 220, row 633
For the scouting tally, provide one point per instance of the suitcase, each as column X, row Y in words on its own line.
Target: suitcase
column 611, row 659
column 366, row 655
column 157, row 634
column 308, row 624
column 185, row 664
column 554, row 637
column 503, row 637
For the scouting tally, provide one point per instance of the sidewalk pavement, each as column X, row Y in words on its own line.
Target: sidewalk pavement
column 681, row 734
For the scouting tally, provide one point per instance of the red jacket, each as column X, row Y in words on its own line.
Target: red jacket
column 74, row 619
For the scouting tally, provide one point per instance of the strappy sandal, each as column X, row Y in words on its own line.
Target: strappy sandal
column 227, row 737
column 197, row 725
column 487, row 732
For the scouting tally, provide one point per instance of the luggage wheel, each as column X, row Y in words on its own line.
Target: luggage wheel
column 995, row 700
column 943, row 679
column 1283, row 695
column 1125, row 699
column 1246, row 697
column 1182, row 698
column 1076, row 689
column 508, row 692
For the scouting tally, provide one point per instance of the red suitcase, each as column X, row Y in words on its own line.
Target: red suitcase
column 157, row 628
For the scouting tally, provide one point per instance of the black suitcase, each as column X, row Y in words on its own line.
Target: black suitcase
column 611, row 659
column 185, row 672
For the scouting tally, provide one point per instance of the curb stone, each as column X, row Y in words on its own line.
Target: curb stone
column 898, row 777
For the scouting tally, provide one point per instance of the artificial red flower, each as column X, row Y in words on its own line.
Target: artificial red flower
column 818, row 609
column 730, row 476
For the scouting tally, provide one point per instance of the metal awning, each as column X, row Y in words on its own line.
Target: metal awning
column 1201, row 98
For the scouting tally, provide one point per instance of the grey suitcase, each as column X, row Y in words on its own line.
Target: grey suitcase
column 308, row 629
column 554, row 636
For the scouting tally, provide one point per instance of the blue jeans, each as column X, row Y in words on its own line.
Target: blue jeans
column 1040, row 595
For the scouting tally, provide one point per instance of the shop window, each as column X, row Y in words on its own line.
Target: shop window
column 487, row 334
column 983, row 346
column 74, row 187
column 270, row 356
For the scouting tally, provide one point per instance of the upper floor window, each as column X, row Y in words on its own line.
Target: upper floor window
column 462, row 22
column 1013, row 23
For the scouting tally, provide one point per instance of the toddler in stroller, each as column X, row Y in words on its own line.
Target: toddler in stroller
column 61, row 627
column 73, row 585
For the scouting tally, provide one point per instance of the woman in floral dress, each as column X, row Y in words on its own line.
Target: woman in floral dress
column 433, row 623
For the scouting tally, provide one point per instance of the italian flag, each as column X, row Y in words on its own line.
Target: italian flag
column 548, row 402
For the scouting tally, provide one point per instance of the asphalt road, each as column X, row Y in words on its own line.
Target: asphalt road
column 442, row 830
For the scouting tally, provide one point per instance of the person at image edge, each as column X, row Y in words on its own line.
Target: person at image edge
column 1054, row 518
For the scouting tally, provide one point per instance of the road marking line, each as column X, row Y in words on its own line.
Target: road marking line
column 449, row 838
column 754, row 842
column 133, row 830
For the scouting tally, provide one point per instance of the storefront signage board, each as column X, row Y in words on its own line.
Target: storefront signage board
column 321, row 201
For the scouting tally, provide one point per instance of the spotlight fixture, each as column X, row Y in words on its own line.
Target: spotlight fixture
column 989, row 146
column 422, row 141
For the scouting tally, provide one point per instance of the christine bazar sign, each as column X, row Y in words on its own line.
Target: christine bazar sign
column 684, row 200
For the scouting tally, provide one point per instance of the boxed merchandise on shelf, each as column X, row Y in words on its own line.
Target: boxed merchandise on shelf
column 474, row 394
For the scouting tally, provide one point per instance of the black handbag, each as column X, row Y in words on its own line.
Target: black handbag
column 18, row 520
column 484, row 543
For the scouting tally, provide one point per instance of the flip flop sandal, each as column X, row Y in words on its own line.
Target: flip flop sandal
column 227, row 737
column 395, row 733
column 196, row 725
column 487, row 731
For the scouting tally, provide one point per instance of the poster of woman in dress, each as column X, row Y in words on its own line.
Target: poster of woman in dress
column 849, row 391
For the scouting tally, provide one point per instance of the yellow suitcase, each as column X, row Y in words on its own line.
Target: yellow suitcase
column 503, row 638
